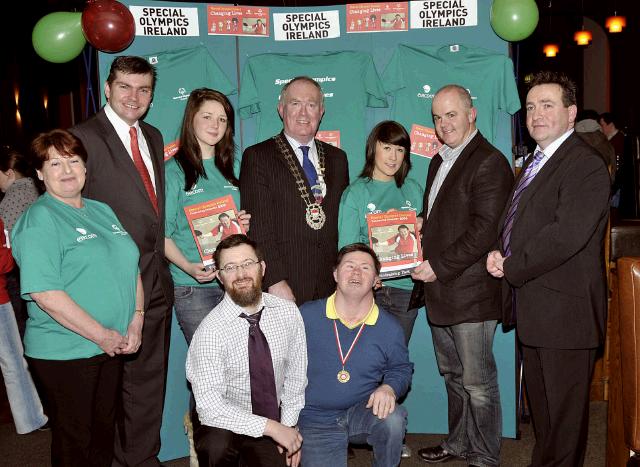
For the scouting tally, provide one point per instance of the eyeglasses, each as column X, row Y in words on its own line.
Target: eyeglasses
column 233, row 268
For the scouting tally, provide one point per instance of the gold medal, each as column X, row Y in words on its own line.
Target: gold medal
column 344, row 376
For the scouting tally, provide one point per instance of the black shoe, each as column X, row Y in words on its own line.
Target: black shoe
column 435, row 454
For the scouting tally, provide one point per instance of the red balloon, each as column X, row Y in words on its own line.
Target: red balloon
column 108, row 25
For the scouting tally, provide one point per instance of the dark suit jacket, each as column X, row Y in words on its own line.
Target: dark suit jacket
column 113, row 179
column 556, row 265
column 460, row 231
column 293, row 251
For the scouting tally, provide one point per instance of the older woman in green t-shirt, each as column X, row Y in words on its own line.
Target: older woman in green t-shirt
column 79, row 273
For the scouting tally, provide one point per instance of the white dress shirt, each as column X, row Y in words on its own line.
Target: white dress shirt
column 313, row 157
column 122, row 129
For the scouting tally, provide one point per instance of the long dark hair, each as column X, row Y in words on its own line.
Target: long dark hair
column 189, row 155
column 389, row 132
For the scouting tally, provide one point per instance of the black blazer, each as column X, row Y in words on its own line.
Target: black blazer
column 293, row 251
column 113, row 179
column 556, row 267
column 460, row 231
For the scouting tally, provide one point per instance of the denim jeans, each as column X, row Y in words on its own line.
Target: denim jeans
column 396, row 301
column 25, row 404
column 325, row 444
column 465, row 359
column 193, row 304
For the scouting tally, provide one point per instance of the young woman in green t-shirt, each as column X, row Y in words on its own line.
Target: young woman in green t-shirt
column 383, row 186
column 201, row 170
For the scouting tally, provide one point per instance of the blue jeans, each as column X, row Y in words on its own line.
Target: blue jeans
column 465, row 358
column 396, row 301
column 193, row 304
column 325, row 444
column 25, row 404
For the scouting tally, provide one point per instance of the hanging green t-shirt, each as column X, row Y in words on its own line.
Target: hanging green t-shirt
column 368, row 196
column 176, row 224
column 349, row 81
column 84, row 252
column 179, row 72
column 416, row 72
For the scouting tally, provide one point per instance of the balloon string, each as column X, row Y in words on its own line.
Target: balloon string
column 87, row 55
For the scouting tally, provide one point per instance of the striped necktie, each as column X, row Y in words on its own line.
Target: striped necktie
column 528, row 175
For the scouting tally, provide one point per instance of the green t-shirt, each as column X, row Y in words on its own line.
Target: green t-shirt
column 349, row 81
column 416, row 72
column 176, row 224
column 179, row 72
column 368, row 196
column 84, row 252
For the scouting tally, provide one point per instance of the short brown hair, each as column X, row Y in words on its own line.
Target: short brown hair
column 65, row 143
column 345, row 250
column 131, row 65
column 236, row 240
column 555, row 77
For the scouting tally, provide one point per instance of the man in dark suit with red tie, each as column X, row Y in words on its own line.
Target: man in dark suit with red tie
column 552, row 258
column 125, row 169
column 292, row 184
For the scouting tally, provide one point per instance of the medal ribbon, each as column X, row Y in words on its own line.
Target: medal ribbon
column 343, row 358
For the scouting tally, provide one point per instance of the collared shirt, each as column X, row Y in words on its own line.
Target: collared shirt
column 313, row 157
column 218, row 365
column 551, row 149
column 370, row 319
column 122, row 129
column 615, row 132
column 449, row 156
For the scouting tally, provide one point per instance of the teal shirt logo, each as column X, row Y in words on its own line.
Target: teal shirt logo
column 84, row 235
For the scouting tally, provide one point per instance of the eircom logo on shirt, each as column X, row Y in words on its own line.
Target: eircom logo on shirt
column 84, row 235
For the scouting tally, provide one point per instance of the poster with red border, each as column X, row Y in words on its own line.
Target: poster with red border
column 170, row 149
column 424, row 141
column 211, row 222
column 377, row 17
column 331, row 137
column 395, row 238
column 237, row 21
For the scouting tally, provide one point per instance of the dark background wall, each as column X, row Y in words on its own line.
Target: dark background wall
column 607, row 83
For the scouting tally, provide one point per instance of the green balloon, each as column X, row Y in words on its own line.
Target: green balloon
column 514, row 20
column 57, row 37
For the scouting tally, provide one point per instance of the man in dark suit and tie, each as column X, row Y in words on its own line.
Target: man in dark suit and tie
column 292, row 184
column 125, row 169
column 467, row 186
column 551, row 255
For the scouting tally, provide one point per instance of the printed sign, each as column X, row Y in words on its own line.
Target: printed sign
column 170, row 149
column 331, row 137
column 444, row 14
column 377, row 17
column 394, row 236
column 306, row 25
column 211, row 222
column 237, row 21
column 165, row 21
column 424, row 141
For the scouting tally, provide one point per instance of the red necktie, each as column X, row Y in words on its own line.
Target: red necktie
column 142, row 169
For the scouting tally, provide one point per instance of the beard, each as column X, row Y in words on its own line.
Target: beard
column 248, row 296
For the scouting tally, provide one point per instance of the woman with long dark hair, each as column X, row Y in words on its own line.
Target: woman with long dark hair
column 201, row 170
